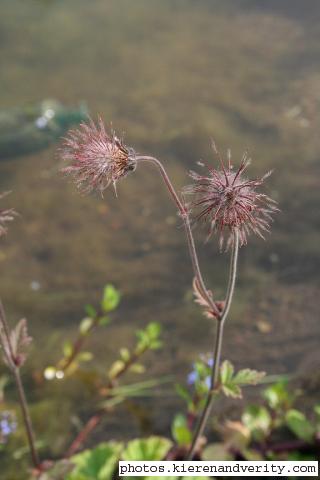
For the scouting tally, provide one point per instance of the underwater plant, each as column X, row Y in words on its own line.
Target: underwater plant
column 231, row 204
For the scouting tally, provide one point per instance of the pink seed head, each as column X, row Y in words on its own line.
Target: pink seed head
column 228, row 201
column 5, row 216
column 96, row 158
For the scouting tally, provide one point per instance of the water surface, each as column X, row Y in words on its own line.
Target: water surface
column 170, row 75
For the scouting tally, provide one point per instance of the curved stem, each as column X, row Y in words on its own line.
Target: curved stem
column 217, row 348
column 186, row 221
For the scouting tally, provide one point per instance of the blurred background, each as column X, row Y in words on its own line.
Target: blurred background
column 169, row 75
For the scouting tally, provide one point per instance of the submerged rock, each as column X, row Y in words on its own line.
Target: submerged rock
column 32, row 128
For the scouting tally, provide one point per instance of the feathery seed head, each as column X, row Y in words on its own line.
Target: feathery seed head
column 96, row 158
column 5, row 216
column 228, row 201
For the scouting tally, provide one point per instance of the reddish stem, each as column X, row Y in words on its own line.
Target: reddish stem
column 93, row 421
column 77, row 346
column 186, row 221
column 85, row 432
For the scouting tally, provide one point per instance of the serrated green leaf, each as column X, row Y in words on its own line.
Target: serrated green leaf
column 96, row 464
column 299, row 425
column 180, row 431
column 231, row 390
column 248, row 377
column 226, row 372
column 110, row 299
column 151, row 448
column 85, row 325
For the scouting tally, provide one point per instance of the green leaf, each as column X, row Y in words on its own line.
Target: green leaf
column 183, row 393
column 316, row 409
column 248, row 377
column 153, row 330
column 97, row 464
column 299, row 425
column 278, row 396
column 85, row 325
column 124, row 354
column 149, row 337
column 231, row 390
column 152, row 448
column 90, row 311
column 137, row 368
column 104, row 320
column 67, row 349
column 226, row 372
column 258, row 420
column 180, row 431
column 85, row 356
column 110, row 299
column 115, row 368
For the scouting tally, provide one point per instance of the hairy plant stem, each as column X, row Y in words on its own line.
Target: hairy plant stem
column 95, row 419
column 217, row 348
column 21, row 393
column 26, row 418
column 186, row 221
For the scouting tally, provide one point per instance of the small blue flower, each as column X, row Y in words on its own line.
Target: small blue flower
column 207, row 360
column 210, row 362
column 192, row 377
column 8, row 425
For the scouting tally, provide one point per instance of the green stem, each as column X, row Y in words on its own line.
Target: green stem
column 217, row 348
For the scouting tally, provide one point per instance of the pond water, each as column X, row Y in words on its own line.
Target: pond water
column 170, row 75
